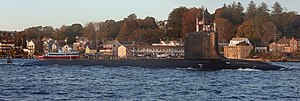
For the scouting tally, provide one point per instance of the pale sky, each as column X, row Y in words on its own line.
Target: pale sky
column 17, row 15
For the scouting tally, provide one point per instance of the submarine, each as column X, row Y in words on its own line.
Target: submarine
column 200, row 49
column 201, row 53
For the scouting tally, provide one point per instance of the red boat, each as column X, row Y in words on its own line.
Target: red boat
column 59, row 56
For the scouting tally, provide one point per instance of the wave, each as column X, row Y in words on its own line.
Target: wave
column 248, row 69
column 290, row 69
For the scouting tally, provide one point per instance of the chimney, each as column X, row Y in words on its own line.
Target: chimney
column 197, row 25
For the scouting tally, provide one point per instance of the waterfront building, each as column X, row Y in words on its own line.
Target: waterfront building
column 47, row 44
column 123, row 52
column 30, row 48
column 294, row 45
column 285, row 45
column 273, row 47
column 150, row 51
column 66, row 48
column 80, row 44
column 261, row 49
column 238, row 50
column 6, row 46
column 90, row 50
column 110, row 48
column 168, row 43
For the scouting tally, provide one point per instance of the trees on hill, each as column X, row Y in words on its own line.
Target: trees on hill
column 257, row 22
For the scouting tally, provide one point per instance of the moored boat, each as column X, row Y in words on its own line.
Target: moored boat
column 60, row 56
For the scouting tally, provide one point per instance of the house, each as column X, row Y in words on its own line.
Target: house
column 238, row 48
column 294, row 45
column 285, row 45
column 30, row 48
column 273, row 47
column 6, row 46
column 91, row 51
column 80, row 44
column 110, row 48
column 123, row 52
column 67, row 48
column 260, row 49
column 47, row 44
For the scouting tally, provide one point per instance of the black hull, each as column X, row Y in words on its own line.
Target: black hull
column 204, row 65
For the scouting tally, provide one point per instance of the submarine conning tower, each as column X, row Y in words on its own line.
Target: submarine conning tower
column 203, row 45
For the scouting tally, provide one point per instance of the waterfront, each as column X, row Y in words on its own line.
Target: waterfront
column 56, row 82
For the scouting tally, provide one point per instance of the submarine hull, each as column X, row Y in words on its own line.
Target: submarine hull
column 205, row 65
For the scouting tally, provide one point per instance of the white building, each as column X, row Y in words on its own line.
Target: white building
column 30, row 48
column 168, row 43
column 261, row 49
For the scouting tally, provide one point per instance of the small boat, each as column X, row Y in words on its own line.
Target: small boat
column 60, row 56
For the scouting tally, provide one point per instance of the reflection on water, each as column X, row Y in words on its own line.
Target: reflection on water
column 55, row 82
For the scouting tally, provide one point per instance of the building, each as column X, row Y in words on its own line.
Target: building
column 80, row 44
column 110, row 49
column 150, row 51
column 66, row 48
column 294, row 45
column 273, row 47
column 238, row 50
column 129, row 50
column 47, row 44
column 6, row 46
column 168, row 43
column 285, row 45
column 90, row 50
column 261, row 49
column 30, row 48
column 123, row 52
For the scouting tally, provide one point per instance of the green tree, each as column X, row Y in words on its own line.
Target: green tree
column 233, row 12
column 263, row 11
column 277, row 9
column 69, row 32
column 175, row 22
column 148, row 22
column 251, row 11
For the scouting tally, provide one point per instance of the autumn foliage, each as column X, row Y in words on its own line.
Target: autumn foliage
column 256, row 22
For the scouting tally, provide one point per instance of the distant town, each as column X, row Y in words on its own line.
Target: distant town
column 255, row 32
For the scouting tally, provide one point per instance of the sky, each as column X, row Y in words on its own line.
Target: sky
column 17, row 15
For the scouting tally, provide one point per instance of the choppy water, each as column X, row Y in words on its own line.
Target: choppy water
column 136, row 83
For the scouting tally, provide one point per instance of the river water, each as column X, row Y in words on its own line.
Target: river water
column 56, row 82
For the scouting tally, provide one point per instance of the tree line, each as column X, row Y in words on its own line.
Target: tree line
column 257, row 22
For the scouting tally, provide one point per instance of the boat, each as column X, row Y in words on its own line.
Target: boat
column 60, row 56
